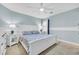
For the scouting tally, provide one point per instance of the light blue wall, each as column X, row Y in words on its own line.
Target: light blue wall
column 66, row 19
column 7, row 14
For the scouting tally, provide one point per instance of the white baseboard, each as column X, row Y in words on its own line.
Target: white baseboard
column 73, row 43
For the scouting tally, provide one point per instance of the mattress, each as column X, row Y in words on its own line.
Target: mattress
column 33, row 38
column 36, row 43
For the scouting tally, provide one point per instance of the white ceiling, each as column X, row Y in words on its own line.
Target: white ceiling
column 32, row 11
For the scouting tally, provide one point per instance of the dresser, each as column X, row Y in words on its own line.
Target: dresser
column 2, row 46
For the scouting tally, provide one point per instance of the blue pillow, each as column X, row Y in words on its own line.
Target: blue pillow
column 35, row 32
column 27, row 33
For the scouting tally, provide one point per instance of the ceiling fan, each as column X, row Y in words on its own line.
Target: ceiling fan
column 43, row 9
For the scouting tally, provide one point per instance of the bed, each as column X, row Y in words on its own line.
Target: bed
column 36, row 43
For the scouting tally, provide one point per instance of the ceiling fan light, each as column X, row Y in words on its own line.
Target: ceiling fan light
column 41, row 9
column 12, row 25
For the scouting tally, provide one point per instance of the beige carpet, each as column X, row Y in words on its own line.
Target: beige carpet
column 16, row 50
column 62, row 49
column 58, row 49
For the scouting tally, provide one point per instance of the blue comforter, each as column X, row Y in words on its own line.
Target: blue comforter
column 35, row 37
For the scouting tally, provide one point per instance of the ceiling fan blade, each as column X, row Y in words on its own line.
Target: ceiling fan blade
column 48, row 8
column 48, row 11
